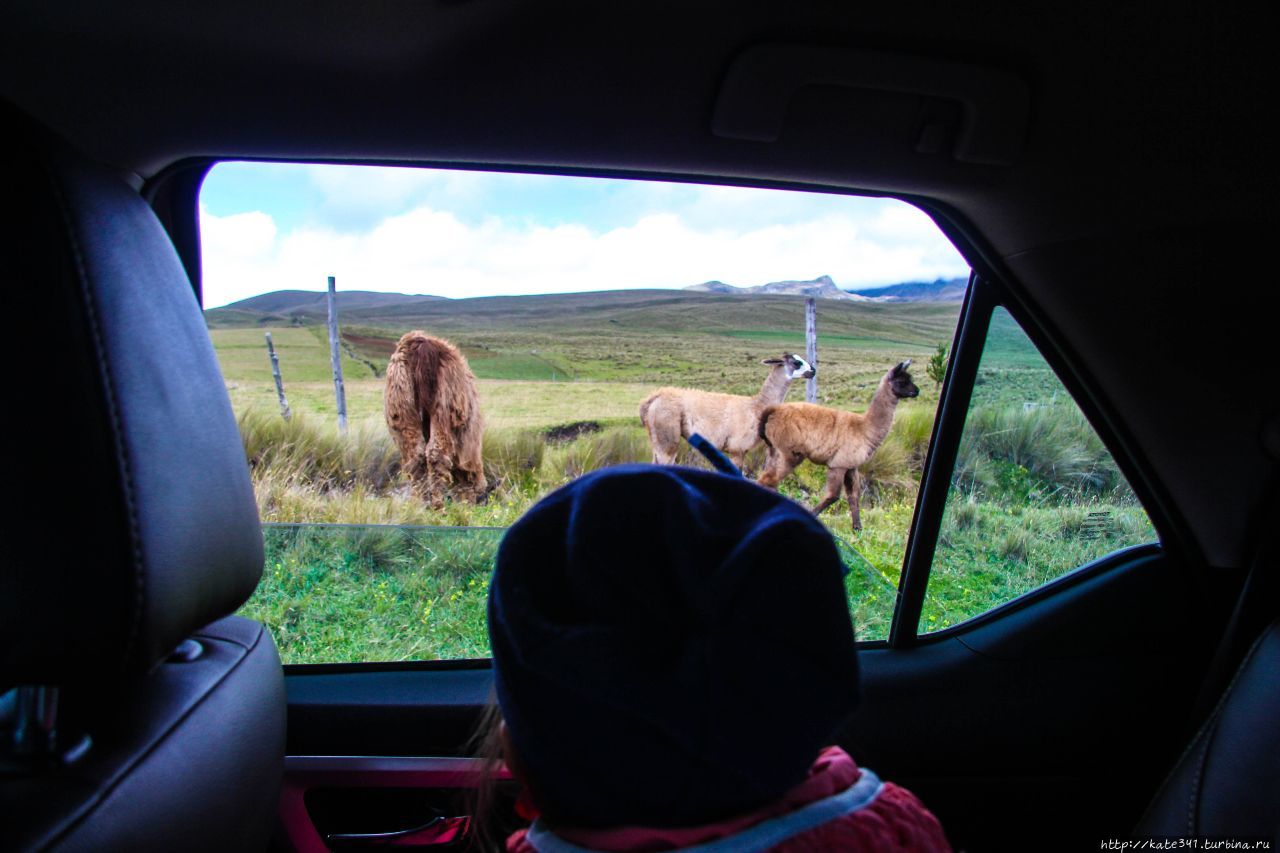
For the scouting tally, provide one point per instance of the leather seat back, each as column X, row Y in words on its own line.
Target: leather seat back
column 134, row 535
column 1227, row 782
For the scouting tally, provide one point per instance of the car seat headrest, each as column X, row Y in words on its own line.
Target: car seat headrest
column 134, row 521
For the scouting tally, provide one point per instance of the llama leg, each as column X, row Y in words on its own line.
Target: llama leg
column 664, row 433
column 420, row 476
column 835, row 477
column 412, row 451
column 404, row 421
column 413, row 464
column 664, row 456
column 776, row 469
column 767, row 477
column 469, row 470
column 470, row 484
column 439, row 469
column 664, row 447
column 853, row 491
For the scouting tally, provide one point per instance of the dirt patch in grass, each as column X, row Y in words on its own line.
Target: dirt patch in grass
column 564, row 433
column 370, row 345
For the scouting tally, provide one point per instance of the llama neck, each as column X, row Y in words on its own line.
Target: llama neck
column 879, row 416
column 775, row 387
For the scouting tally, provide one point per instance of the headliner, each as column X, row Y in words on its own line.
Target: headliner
column 1132, row 222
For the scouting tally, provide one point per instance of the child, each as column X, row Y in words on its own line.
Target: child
column 672, row 656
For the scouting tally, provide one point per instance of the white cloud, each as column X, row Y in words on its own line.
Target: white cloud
column 242, row 235
column 431, row 250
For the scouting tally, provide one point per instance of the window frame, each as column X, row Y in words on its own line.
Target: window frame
column 174, row 194
column 984, row 296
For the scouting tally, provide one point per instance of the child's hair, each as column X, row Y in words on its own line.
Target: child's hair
column 486, row 745
column 671, row 646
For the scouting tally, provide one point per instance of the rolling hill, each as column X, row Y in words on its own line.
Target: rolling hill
column 305, row 305
column 302, row 307
column 606, row 314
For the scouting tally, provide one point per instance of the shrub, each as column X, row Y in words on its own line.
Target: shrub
column 593, row 451
column 937, row 367
column 964, row 514
column 1015, row 545
column 317, row 454
column 513, row 457
column 1044, row 453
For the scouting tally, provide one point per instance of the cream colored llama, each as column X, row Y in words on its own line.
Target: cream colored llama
column 729, row 421
column 842, row 441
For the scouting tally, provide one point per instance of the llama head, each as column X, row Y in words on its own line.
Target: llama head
column 900, row 381
column 795, row 366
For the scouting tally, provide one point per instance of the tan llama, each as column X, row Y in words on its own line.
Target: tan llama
column 842, row 441
column 729, row 421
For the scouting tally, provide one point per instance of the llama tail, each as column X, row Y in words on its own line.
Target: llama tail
column 644, row 408
column 764, row 423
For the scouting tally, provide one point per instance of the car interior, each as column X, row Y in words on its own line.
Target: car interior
column 1102, row 167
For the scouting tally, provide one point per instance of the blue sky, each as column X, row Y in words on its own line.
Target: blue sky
column 283, row 226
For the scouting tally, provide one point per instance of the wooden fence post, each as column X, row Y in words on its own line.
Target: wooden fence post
column 275, row 371
column 811, row 348
column 335, row 352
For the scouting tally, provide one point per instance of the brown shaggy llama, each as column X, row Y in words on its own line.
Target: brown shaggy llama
column 842, row 441
column 434, row 417
column 730, row 422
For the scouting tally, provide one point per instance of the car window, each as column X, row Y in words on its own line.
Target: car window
column 1034, row 492
column 573, row 302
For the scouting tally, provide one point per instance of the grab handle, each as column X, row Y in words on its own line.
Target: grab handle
column 436, row 832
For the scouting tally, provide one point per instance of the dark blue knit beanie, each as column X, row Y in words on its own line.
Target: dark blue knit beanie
column 671, row 646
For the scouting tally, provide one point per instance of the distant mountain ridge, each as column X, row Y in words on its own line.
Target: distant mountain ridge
column 821, row 287
column 939, row 290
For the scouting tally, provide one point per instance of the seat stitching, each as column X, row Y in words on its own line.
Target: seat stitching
column 1204, row 734
column 1211, row 728
column 122, row 456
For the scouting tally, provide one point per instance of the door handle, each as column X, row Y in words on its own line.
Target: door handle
column 437, row 832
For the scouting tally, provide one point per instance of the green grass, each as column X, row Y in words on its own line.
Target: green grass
column 1030, row 472
column 375, row 594
column 797, row 342
column 990, row 553
column 997, row 542
column 303, row 353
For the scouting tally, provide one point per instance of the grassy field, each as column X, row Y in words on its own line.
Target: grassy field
column 1034, row 494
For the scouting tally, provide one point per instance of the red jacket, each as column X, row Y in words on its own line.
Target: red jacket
column 838, row 807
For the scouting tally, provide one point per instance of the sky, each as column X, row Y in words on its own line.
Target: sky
column 274, row 226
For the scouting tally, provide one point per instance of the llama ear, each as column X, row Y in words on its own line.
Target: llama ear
column 904, row 365
column 771, row 361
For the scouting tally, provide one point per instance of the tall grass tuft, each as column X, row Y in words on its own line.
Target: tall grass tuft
column 593, row 451
column 1015, row 545
column 514, row 458
column 964, row 514
column 1047, row 453
column 316, row 454
column 892, row 474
